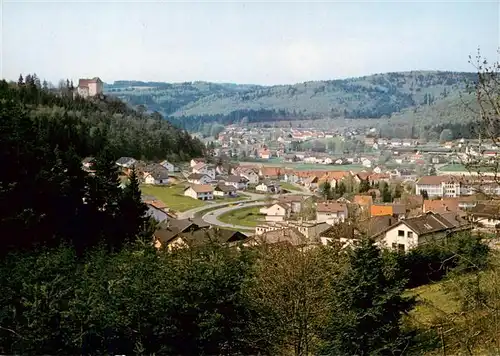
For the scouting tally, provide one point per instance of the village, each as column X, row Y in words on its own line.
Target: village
column 255, row 202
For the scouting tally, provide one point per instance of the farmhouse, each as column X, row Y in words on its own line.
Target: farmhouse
column 200, row 192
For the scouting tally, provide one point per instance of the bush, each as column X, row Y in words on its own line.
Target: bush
column 433, row 261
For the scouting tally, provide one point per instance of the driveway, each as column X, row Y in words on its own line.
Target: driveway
column 213, row 217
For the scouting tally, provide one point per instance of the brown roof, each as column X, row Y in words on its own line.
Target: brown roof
column 225, row 188
column 411, row 201
column 83, row 83
column 330, row 207
column 290, row 236
column 171, row 228
column 376, row 224
column 435, row 180
column 292, row 198
column 201, row 188
column 429, row 223
column 271, row 171
column 441, row 206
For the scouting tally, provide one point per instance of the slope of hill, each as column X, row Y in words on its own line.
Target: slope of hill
column 104, row 122
column 372, row 96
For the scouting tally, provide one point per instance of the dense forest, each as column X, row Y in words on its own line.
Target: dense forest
column 104, row 121
column 411, row 94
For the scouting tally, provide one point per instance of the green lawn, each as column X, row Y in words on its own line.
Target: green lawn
column 172, row 196
column 227, row 199
column 289, row 186
column 250, row 217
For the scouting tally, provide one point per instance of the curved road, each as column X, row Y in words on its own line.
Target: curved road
column 213, row 216
column 253, row 197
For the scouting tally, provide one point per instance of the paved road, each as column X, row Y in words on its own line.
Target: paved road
column 254, row 197
column 190, row 213
column 213, row 216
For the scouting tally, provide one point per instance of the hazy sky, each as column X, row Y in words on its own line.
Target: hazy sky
column 251, row 42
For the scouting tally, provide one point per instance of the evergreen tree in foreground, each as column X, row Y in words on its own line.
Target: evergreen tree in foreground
column 367, row 307
column 135, row 221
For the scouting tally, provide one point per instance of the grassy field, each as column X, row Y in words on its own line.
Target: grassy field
column 223, row 200
column 245, row 217
column 172, row 196
column 289, row 186
column 432, row 302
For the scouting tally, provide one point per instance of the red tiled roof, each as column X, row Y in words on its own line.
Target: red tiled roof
column 330, row 207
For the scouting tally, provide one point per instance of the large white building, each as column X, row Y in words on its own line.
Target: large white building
column 453, row 186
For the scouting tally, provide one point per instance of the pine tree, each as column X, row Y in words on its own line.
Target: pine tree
column 103, row 197
column 20, row 81
column 368, row 305
column 386, row 194
column 364, row 186
column 133, row 210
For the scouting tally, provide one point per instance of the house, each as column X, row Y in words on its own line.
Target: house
column 407, row 234
column 276, row 212
column 198, row 178
column 486, row 216
column 156, row 177
column 342, row 234
column 286, row 236
column 397, row 211
column 268, row 187
column 166, row 236
column 291, row 177
column 294, row 201
column 225, row 191
column 126, row 162
column 366, row 162
column 264, row 153
column 196, row 161
column 238, row 182
column 250, row 175
column 169, row 166
column 200, row 192
column 158, row 214
column 203, row 168
column 331, row 212
column 310, row 229
column 89, row 87
column 270, row 172
column 311, row 182
column 168, row 230
column 441, row 205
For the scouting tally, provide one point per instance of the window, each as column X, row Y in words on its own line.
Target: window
column 401, row 248
column 401, row 233
column 410, row 234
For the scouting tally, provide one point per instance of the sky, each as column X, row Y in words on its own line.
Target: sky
column 241, row 42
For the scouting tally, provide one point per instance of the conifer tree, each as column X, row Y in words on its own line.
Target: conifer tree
column 133, row 210
column 368, row 304
column 20, row 81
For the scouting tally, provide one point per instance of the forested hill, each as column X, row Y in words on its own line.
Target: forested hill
column 372, row 96
column 104, row 122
